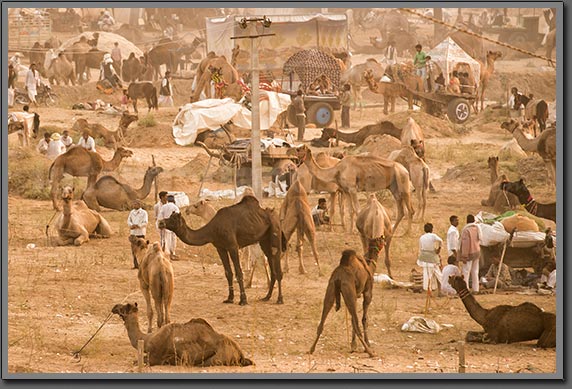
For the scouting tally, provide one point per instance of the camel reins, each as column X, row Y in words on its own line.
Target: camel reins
column 464, row 294
column 531, row 206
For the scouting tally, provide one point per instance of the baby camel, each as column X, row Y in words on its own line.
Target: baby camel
column 194, row 343
column 296, row 215
column 155, row 274
column 352, row 278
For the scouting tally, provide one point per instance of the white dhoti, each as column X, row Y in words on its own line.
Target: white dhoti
column 431, row 274
column 10, row 97
column 169, row 242
column 166, row 101
column 32, row 93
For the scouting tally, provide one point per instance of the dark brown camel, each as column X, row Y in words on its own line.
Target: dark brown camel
column 358, row 137
column 232, row 228
column 194, row 343
column 506, row 323
column 352, row 278
column 547, row 211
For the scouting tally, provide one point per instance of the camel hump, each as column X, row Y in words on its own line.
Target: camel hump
column 156, row 247
column 200, row 320
column 249, row 200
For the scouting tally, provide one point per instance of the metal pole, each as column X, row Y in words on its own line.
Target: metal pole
column 255, row 137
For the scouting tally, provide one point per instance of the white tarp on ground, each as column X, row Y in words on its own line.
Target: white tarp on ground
column 106, row 43
column 212, row 113
column 448, row 53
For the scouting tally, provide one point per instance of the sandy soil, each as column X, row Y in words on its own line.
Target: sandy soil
column 59, row 296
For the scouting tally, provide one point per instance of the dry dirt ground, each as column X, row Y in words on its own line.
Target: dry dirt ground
column 59, row 296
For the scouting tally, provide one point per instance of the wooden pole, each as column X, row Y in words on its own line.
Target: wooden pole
column 461, row 350
column 155, row 181
column 205, row 176
column 506, row 243
column 255, row 137
column 140, row 348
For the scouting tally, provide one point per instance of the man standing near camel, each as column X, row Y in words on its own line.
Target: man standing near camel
column 137, row 222
column 157, row 209
column 470, row 252
column 166, row 91
column 453, row 236
column 419, row 63
column 170, row 238
column 429, row 260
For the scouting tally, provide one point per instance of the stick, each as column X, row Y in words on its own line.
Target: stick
column 205, row 175
column 428, row 295
column 155, row 181
column 140, row 348
column 461, row 349
column 506, row 243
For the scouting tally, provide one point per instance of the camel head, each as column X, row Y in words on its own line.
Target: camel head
column 517, row 188
column 510, row 125
column 301, row 152
column 374, row 246
column 125, row 310
column 138, row 245
column 173, row 223
column 328, row 133
column 197, row 208
column 154, row 171
column 493, row 162
column 67, row 193
column 127, row 119
column 124, row 153
column 493, row 55
column 458, row 283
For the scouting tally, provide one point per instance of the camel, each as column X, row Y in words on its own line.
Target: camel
column 155, row 278
column 507, row 323
column 203, row 77
column 77, row 222
column 498, row 199
column 311, row 183
column 547, row 211
column 131, row 69
column 412, row 135
column 78, row 162
column 363, row 173
column 389, row 90
column 99, row 131
column 61, row 71
column 355, row 77
column 374, row 226
column 486, row 72
column 296, row 215
column 544, row 145
column 108, row 192
column 351, row 279
column 388, row 23
column 359, row 136
column 535, row 111
column 233, row 227
column 418, row 172
column 194, row 343
column 168, row 52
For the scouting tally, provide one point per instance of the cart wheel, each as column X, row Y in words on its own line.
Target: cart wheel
column 459, row 110
column 321, row 114
column 51, row 100
column 519, row 40
column 21, row 99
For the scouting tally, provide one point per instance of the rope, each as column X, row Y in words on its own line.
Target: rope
column 550, row 60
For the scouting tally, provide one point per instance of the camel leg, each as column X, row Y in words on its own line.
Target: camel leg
column 367, row 297
column 147, row 296
column 311, row 235
column 158, row 307
column 239, row 275
column 103, row 228
column 64, row 241
column 223, row 254
column 385, row 104
column 275, row 270
column 333, row 198
column 392, row 104
column 387, row 260
column 299, row 249
column 82, row 238
column 354, row 209
column 350, row 301
column 90, row 200
column 328, row 304
column 53, row 194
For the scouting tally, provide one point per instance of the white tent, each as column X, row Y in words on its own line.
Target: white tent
column 106, row 43
column 448, row 54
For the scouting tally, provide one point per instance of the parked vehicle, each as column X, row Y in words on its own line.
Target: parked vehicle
column 45, row 96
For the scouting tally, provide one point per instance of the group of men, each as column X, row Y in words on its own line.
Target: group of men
column 53, row 145
column 138, row 219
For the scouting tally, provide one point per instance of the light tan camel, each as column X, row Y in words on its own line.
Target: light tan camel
column 544, row 145
column 194, row 343
column 355, row 77
column 313, row 184
column 156, row 278
column 78, row 162
column 418, row 172
column 97, row 130
column 351, row 279
column 296, row 215
column 389, row 90
column 357, row 173
column 77, row 222
column 486, row 72
column 404, row 74
column 412, row 135
column 108, row 192
column 374, row 226
column 228, row 73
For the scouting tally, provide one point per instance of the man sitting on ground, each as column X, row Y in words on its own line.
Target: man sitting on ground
column 320, row 213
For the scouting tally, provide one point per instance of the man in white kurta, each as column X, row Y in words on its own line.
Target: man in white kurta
column 32, row 82
column 87, row 142
column 170, row 239
column 429, row 247
column 453, row 236
column 137, row 222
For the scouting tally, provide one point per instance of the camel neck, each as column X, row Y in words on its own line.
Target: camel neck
column 192, row 237
column 476, row 311
column 113, row 163
column 323, row 174
column 494, row 174
column 133, row 331
column 146, row 187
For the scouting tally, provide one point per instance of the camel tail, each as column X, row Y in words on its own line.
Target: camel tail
column 338, row 293
column 50, row 171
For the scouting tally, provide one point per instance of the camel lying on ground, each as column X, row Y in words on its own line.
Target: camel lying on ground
column 351, row 279
column 78, row 162
column 359, row 136
column 194, row 343
column 506, row 323
column 498, row 199
column 296, row 215
column 77, row 222
column 97, row 130
column 110, row 193
column 155, row 275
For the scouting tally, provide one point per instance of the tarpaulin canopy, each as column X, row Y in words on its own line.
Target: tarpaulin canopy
column 212, row 113
column 448, row 55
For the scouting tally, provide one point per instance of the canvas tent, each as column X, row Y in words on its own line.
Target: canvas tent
column 448, row 54
column 105, row 43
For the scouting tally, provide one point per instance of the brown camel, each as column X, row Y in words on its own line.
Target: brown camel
column 78, row 162
column 77, row 222
column 544, row 145
column 367, row 174
column 389, row 90
column 404, row 74
column 110, row 193
column 374, row 226
column 351, row 279
column 227, row 72
column 497, row 199
column 545, row 210
column 412, row 135
column 418, row 172
column 507, row 323
column 296, row 215
column 155, row 278
column 359, row 136
column 97, row 130
column 61, row 71
column 486, row 72
column 233, row 227
column 194, row 343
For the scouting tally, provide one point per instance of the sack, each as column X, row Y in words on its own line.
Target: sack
column 493, row 234
column 526, row 239
column 105, row 86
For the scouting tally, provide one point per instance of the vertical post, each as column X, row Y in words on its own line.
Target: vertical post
column 140, row 348
column 461, row 349
column 255, row 138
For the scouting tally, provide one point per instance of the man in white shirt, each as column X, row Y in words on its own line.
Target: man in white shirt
column 166, row 91
column 55, row 147
column 137, row 222
column 452, row 269
column 32, row 82
column 44, row 143
column 86, row 141
column 66, row 139
column 429, row 260
column 170, row 240
column 453, row 236
column 156, row 209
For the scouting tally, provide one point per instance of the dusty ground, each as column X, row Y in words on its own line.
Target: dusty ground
column 59, row 296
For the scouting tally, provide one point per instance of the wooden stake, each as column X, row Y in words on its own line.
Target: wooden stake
column 140, row 348
column 461, row 349
column 205, row 175
column 506, row 243
column 155, row 181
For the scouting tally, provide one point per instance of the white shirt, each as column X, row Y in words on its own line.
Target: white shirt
column 138, row 217
column 66, row 140
column 429, row 242
column 55, row 148
column 449, row 270
column 88, row 144
column 32, row 79
column 42, row 146
column 316, row 210
column 166, row 211
column 452, row 240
